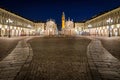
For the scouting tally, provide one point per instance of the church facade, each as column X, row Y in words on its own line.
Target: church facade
column 51, row 28
column 67, row 26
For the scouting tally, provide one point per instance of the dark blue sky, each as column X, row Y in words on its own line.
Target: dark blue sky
column 42, row 10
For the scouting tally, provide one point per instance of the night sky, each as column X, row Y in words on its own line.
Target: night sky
column 41, row 10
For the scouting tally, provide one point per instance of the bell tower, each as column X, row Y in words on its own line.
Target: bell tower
column 63, row 20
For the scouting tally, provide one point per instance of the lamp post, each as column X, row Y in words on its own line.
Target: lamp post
column 0, row 30
column 78, row 30
column 89, row 26
column 9, row 21
column 29, row 26
column 40, row 31
column 109, row 21
column 118, row 26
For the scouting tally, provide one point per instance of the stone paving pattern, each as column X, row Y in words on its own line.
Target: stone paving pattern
column 102, row 64
column 57, row 59
column 7, row 45
column 66, row 61
column 11, row 65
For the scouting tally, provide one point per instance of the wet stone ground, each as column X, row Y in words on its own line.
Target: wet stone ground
column 57, row 59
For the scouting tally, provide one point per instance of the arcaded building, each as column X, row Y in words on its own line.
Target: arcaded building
column 14, row 25
column 106, row 24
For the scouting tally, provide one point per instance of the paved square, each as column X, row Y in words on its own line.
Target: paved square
column 60, row 58
column 57, row 59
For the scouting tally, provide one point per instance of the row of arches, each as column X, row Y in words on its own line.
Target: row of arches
column 13, row 31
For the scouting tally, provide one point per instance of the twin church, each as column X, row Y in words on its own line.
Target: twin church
column 67, row 27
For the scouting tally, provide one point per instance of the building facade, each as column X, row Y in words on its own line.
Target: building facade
column 107, row 24
column 51, row 28
column 39, row 28
column 69, row 27
column 14, row 25
column 79, row 28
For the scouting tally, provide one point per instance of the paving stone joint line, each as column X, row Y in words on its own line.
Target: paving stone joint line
column 102, row 62
column 21, row 55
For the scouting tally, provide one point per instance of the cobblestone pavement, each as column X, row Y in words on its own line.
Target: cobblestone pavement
column 57, row 59
column 7, row 45
column 60, row 59
column 11, row 65
column 102, row 64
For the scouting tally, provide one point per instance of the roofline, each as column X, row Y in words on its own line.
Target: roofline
column 84, row 21
column 14, row 14
column 103, row 13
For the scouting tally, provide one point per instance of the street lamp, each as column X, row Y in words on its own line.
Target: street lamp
column 79, row 30
column 29, row 26
column 0, row 30
column 118, row 26
column 89, row 26
column 109, row 21
column 9, row 21
column 40, row 30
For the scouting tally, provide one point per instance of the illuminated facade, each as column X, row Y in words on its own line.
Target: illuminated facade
column 69, row 27
column 39, row 28
column 79, row 28
column 51, row 28
column 107, row 24
column 14, row 25
column 63, row 20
